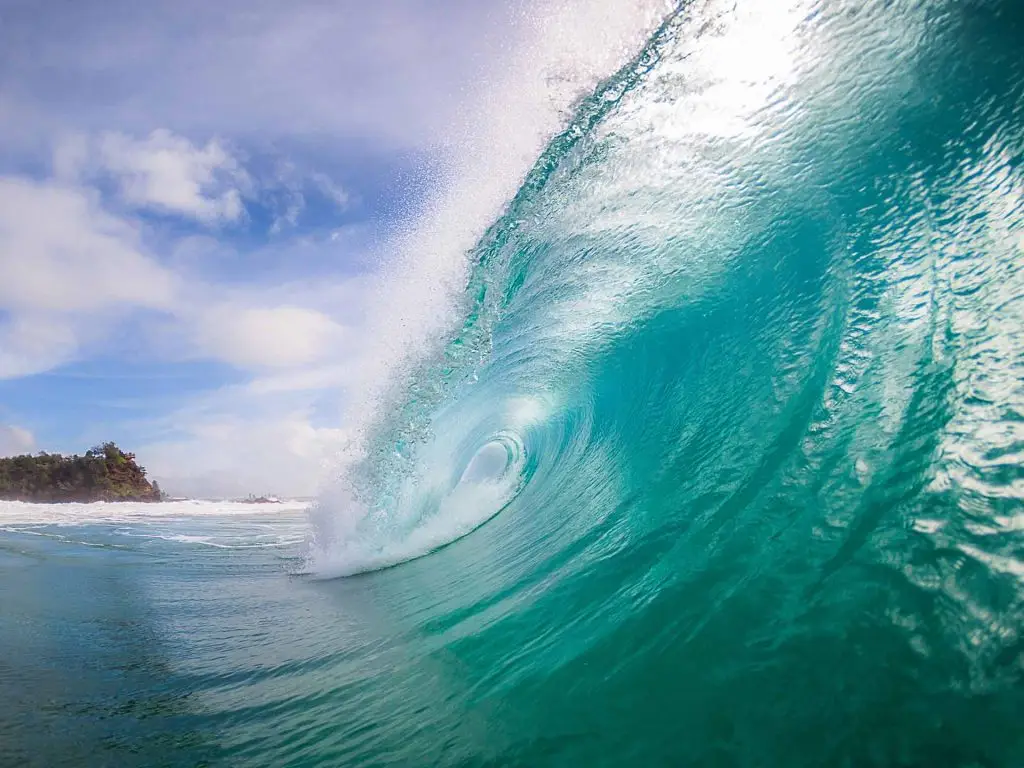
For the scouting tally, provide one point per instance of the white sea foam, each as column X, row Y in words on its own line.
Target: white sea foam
column 18, row 512
column 471, row 504
column 218, row 524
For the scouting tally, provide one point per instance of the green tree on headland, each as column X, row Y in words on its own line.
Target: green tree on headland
column 104, row 473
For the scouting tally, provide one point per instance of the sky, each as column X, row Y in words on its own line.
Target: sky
column 223, row 224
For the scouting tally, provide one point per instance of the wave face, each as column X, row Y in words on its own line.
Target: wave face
column 735, row 415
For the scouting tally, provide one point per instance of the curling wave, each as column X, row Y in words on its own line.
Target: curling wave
column 751, row 332
column 755, row 251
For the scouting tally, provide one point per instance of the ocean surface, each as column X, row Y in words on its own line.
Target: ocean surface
column 722, row 463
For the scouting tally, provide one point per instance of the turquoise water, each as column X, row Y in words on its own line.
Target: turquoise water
column 723, row 465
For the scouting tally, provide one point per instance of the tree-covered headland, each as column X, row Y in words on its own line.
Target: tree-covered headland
column 104, row 473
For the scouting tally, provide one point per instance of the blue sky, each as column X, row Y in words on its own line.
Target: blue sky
column 204, row 207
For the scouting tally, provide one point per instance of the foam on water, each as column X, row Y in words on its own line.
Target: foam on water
column 222, row 524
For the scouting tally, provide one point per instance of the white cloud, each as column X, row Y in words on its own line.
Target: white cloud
column 331, row 190
column 322, row 377
column 168, row 173
column 244, row 67
column 35, row 343
column 71, row 270
column 290, row 215
column 66, row 267
column 233, row 442
column 71, row 157
column 61, row 252
column 290, row 188
column 275, row 337
column 15, row 441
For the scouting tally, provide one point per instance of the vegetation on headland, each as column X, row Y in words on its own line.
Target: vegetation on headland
column 104, row 473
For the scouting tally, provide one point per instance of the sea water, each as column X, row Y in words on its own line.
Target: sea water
column 720, row 463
